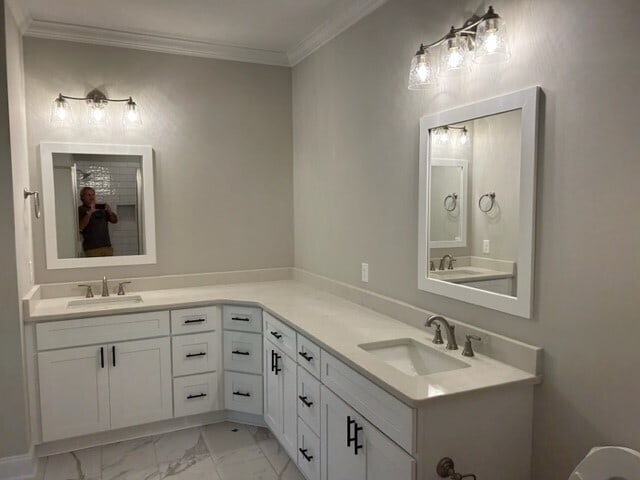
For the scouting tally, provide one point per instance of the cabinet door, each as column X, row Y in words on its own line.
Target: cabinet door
column 273, row 391
column 289, row 437
column 340, row 460
column 140, row 382
column 74, row 392
column 385, row 459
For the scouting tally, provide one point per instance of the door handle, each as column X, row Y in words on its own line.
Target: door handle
column 101, row 357
column 277, row 369
column 304, row 400
column 306, row 356
column 304, row 451
column 113, row 354
column 353, row 439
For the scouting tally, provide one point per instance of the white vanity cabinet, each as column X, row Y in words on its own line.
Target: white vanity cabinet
column 104, row 385
column 353, row 449
column 280, row 400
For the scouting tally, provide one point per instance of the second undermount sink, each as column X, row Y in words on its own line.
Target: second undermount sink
column 103, row 301
column 413, row 358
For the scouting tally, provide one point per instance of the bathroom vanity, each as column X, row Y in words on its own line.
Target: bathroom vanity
column 348, row 392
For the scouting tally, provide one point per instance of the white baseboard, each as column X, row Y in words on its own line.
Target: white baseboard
column 19, row 467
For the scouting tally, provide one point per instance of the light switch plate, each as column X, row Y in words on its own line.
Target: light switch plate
column 486, row 246
column 365, row 272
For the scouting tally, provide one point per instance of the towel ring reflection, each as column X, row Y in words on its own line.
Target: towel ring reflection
column 451, row 206
column 492, row 198
column 36, row 200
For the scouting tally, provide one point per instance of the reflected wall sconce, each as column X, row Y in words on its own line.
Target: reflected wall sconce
column 449, row 133
column 479, row 39
column 98, row 114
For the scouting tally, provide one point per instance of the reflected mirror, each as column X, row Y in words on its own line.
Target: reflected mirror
column 477, row 209
column 98, row 205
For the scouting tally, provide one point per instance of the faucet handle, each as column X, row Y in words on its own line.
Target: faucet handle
column 432, row 266
column 121, row 288
column 468, row 348
column 437, row 337
column 451, row 260
column 89, row 293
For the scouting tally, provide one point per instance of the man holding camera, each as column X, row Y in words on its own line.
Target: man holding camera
column 94, row 219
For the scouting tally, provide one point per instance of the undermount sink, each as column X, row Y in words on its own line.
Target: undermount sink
column 413, row 358
column 115, row 300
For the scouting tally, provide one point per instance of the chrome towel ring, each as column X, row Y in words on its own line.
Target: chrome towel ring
column 451, row 206
column 492, row 199
column 36, row 201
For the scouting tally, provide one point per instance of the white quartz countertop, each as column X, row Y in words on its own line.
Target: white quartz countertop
column 337, row 325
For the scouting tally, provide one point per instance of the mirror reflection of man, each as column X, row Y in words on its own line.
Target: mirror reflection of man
column 93, row 220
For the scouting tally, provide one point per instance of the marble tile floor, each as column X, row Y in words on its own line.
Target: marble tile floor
column 224, row 451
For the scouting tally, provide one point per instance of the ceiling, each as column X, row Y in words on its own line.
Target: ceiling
column 280, row 32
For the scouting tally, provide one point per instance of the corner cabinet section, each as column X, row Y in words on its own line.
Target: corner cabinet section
column 110, row 384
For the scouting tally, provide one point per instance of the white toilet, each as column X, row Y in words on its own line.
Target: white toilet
column 609, row 463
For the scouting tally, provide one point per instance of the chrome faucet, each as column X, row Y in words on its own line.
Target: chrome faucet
column 443, row 259
column 105, row 287
column 449, row 329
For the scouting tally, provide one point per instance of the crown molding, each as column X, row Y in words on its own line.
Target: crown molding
column 333, row 27
column 154, row 43
column 20, row 13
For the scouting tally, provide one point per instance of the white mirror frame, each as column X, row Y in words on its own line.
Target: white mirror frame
column 47, row 149
column 526, row 100
column 462, row 202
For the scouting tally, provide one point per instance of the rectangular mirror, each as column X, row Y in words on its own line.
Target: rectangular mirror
column 98, row 204
column 477, row 199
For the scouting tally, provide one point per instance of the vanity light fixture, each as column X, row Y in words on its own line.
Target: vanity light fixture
column 98, row 114
column 481, row 39
column 443, row 135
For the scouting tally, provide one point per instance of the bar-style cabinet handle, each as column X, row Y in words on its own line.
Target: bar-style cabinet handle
column 201, row 354
column 195, row 320
column 240, row 394
column 199, row 395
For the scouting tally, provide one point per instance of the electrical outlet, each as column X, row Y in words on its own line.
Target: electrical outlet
column 365, row 272
column 486, row 246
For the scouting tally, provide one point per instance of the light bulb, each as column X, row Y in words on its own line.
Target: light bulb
column 442, row 135
column 61, row 112
column 98, row 112
column 491, row 41
column 454, row 51
column 464, row 137
column 422, row 71
column 131, row 117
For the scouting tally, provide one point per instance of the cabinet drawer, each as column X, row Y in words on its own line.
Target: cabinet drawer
column 309, row 399
column 192, row 320
column 196, row 353
column 243, row 392
column 390, row 415
column 308, row 452
column 196, row 394
column 243, row 352
column 308, row 355
column 244, row 319
column 88, row 331
column 281, row 335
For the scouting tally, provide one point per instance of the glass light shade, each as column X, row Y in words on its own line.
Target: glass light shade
column 422, row 73
column 454, row 55
column 441, row 135
column 61, row 113
column 98, row 115
column 463, row 137
column 491, row 41
column 131, row 117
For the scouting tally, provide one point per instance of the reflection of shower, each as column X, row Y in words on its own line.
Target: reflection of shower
column 84, row 175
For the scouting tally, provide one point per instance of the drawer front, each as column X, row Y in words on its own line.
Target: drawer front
column 242, row 352
column 309, row 400
column 308, row 452
column 243, row 392
column 196, row 394
column 88, row 331
column 244, row 319
column 192, row 320
column 196, row 353
column 280, row 334
column 390, row 415
column 308, row 355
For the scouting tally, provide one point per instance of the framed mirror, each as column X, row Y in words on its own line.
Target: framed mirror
column 98, row 205
column 477, row 202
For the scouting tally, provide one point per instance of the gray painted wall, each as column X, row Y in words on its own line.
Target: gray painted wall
column 356, row 192
column 14, row 239
column 221, row 132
